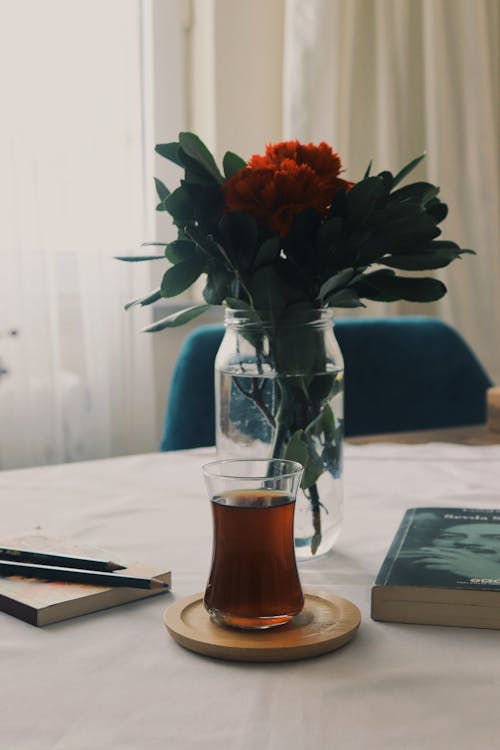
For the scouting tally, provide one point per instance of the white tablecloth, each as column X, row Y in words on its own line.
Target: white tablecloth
column 116, row 679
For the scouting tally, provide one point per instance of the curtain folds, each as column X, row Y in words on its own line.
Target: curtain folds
column 79, row 381
column 390, row 79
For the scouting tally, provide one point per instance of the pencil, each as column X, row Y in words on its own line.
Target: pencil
column 73, row 575
column 49, row 558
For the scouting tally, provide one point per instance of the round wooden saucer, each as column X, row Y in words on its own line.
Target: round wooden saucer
column 326, row 623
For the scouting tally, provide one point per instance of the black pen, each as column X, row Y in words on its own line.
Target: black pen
column 72, row 575
column 49, row 558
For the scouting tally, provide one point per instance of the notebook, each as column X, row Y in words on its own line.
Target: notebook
column 44, row 602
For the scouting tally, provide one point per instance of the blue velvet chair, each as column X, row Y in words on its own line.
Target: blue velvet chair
column 401, row 373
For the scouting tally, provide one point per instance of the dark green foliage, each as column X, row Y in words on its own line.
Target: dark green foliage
column 163, row 193
column 177, row 319
column 180, row 277
column 147, row 299
column 323, row 261
column 138, row 258
column 231, row 164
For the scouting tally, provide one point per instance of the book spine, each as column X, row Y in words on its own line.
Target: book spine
column 397, row 543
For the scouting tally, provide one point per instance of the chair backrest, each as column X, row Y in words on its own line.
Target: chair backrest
column 190, row 419
column 401, row 373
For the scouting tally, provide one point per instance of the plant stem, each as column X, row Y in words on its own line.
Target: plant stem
column 278, row 451
column 282, row 432
column 316, row 514
column 255, row 396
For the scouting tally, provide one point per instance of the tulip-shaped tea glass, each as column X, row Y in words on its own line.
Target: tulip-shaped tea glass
column 253, row 582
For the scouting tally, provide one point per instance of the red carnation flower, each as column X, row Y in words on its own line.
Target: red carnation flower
column 287, row 179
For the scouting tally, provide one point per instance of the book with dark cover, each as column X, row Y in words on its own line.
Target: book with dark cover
column 42, row 602
column 442, row 568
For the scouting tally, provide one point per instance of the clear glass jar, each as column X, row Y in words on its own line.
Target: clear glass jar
column 279, row 394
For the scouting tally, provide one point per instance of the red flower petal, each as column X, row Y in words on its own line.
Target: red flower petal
column 289, row 178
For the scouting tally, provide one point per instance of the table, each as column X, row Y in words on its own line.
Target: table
column 480, row 434
column 116, row 679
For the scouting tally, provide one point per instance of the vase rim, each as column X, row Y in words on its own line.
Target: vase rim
column 267, row 318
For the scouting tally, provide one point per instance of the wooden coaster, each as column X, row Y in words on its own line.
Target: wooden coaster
column 326, row 623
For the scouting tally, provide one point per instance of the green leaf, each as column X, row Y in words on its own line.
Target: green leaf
column 416, row 227
column 196, row 149
column 387, row 180
column 176, row 319
column 179, row 251
column 161, row 189
column 239, row 238
column 445, row 245
column 437, row 209
column 328, row 422
column 385, row 286
column 424, row 260
column 218, row 284
column 299, row 313
column 139, row 258
column 147, row 299
column 163, row 193
column 418, row 261
column 240, row 304
column 207, row 200
column 421, row 289
column 319, row 389
column 180, row 277
column 362, row 197
column 208, row 246
column 418, row 192
column 196, row 173
column 239, row 229
column 170, row 151
column 268, row 252
column 179, row 205
column 313, row 469
column 232, row 163
column 330, row 232
column 296, row 450
column 368, row 170
column 337, row 281
column 406, row 170
column 269, row 292
column 348, row 297
column 339, row 204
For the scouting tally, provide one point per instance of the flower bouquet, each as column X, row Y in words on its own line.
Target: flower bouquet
column 280, row 241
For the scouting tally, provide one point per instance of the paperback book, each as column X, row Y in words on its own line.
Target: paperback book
column 42, row 602
column 442, row 568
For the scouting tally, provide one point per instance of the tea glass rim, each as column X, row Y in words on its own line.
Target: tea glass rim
column 297, row 468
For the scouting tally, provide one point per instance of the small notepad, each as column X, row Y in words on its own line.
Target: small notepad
column 44, row 602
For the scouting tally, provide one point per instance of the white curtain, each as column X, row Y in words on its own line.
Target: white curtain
column 390, row 79
column 79, row 381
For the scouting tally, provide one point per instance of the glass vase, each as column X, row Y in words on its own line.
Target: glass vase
column 279, row 394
